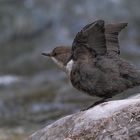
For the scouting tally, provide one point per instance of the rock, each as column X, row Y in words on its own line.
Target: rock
column 114, row 120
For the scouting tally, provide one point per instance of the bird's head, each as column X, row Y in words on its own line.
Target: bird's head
column 60, row 55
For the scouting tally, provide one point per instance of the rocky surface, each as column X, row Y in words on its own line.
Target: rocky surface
column 114, row 120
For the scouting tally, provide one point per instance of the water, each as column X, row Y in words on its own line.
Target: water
column 6, row 80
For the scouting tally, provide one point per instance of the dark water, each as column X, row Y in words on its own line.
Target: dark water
column 33, row 91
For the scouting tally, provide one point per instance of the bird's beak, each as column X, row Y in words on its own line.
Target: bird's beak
column 46, row 54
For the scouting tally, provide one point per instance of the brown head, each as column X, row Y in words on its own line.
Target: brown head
column 60, row 56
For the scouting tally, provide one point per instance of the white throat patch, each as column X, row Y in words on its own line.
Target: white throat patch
column 57, row 62
column 69, row 66
column 66, row 68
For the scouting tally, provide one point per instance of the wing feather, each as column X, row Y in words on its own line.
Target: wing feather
column 111, row 32
column 98, row 38
column 92, row 37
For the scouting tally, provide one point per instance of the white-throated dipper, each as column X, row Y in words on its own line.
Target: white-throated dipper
column 93, row 62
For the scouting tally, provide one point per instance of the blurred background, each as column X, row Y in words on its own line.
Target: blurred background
column 33, row 91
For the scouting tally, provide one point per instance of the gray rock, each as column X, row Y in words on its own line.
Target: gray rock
column 114, row 120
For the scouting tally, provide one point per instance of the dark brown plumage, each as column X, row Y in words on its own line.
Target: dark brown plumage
column 97, row 68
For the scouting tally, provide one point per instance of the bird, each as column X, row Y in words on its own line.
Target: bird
column 93, row 63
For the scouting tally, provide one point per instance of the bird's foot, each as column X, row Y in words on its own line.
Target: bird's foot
column 94, row 104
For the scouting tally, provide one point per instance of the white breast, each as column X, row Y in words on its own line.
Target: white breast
column 66, row 68
column 69, row 66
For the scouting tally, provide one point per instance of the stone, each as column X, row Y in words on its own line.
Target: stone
column 113, row 120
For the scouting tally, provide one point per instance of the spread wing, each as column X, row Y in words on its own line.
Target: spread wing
column 91, row 37
column 98, row 38
column 111, row 32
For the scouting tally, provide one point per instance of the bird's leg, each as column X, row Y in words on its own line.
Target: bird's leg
column 96, row 103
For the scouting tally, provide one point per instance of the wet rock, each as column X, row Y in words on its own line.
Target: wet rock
column 114, row 120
